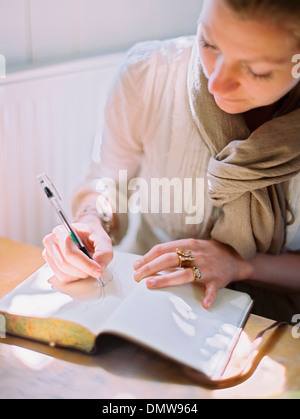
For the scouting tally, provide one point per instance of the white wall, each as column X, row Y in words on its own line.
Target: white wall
column 42, row 31
column 49, row 118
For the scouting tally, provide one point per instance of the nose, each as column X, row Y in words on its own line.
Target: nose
column 223, row 79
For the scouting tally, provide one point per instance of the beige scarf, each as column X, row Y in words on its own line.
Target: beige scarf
column 246, row 173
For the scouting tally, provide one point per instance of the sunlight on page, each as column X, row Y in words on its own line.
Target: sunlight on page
column 42, row 305
column 217, row 342
column 184, row 326
column 38, row 299
column 45, row 295
column 183, row 307
column 186, row 311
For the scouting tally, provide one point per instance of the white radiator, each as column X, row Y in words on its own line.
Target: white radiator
column 48, row 121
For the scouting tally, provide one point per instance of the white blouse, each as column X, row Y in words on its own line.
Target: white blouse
column 149, row 134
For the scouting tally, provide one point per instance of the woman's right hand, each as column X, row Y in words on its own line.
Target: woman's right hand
column 67, row 261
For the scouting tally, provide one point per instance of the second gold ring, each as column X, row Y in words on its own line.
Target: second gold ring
column 197, row 274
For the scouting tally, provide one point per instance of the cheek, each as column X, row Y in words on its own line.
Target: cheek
column 256, row 95
column 257, row 92
column 207, row 60
column 268, row 92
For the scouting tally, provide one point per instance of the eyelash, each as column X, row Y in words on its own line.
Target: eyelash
column 206, row 45
column 266, row 77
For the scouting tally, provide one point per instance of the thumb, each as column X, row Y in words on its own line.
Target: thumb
column 211, row 293
column 103, row 249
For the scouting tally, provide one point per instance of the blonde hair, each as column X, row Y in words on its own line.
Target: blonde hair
column 281, row 12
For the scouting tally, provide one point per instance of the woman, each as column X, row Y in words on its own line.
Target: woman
column 225, row 108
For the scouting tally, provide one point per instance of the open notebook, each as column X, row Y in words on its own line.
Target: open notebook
column 170, row 321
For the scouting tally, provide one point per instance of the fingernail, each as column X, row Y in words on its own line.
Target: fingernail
column 207, row 304
column 137, row 264
column 151, row 282
column 98, row 273
column 137, row 276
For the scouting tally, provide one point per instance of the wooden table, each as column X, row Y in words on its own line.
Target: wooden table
column 123, row 370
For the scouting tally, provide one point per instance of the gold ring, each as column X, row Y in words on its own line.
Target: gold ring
column 185, row 258
column 197, row 274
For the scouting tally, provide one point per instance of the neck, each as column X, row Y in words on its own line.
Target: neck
column 259, row 116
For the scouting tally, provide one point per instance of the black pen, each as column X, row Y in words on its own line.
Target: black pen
column 55, row 199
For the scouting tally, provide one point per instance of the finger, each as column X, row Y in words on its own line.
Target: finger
column 72, row 256
column 161, row 263
column 76, row 258
column 103, row 249
column 211, row 293
column 178, row 277
column 73, row 263
column 55, row 257
column 61, row 276
column 162, row 249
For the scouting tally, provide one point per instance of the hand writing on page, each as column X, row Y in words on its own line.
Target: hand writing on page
column 68, row 262
column 218, row 264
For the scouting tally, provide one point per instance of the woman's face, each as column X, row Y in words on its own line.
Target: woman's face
column 248, row 62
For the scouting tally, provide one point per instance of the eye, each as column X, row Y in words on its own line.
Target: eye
column 266, row 76
column 206, row 45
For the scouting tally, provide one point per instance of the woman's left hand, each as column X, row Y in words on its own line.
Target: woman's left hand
column 219, row 265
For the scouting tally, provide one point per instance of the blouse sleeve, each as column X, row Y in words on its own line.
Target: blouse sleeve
column 126, row 116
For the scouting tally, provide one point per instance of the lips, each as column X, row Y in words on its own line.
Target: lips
column 229, row 100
